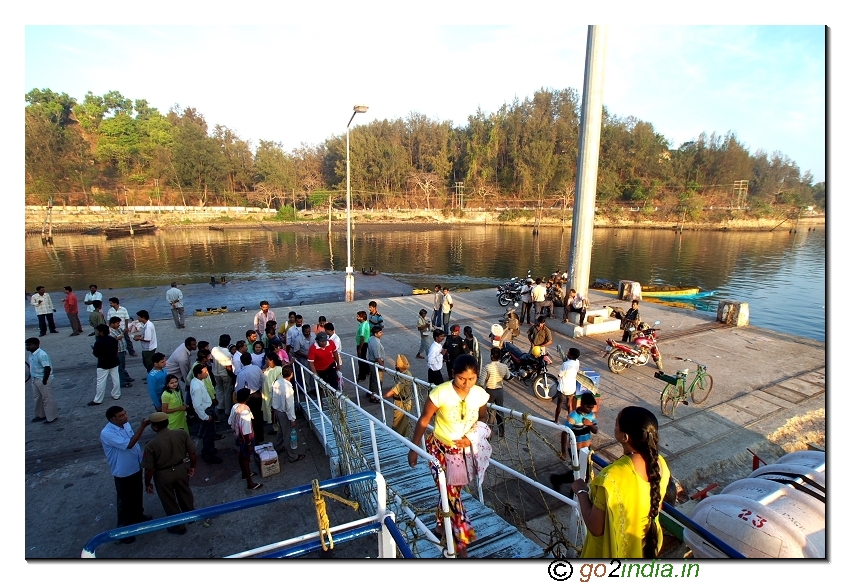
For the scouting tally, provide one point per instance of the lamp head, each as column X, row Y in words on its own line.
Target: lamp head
column 361, row 108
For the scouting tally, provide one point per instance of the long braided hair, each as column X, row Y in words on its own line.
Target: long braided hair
column 642, row 428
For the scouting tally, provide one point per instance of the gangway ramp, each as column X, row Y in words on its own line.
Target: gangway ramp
column 409, row 487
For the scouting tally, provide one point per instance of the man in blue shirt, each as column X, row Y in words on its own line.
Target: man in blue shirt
column 124, row 455
column 40, row 378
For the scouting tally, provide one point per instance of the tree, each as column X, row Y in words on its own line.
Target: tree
column 275, row 174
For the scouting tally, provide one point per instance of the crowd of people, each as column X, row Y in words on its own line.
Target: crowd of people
column 246, row 388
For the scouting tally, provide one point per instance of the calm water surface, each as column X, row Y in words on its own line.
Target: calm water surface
column 781, row 275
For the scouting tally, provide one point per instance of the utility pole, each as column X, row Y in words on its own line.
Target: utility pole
column 581, row 240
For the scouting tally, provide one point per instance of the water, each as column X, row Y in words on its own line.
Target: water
column 781, row 275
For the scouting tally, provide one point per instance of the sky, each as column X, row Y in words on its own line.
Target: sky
column 297, row 83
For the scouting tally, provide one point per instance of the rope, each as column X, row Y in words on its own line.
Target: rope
column 322, row 513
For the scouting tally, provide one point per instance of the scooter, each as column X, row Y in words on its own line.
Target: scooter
column 621, row 355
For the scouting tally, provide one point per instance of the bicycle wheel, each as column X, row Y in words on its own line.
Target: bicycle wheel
column 701, row 388
column 668, row 400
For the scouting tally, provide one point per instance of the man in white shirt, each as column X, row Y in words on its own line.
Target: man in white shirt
column 180, row 362
column 91, row 297
column 222, row 366
column 175, row 298
column 147, row 336
column 283, row 405
column 538, row 296
column 577, row 303
column 251, row 377
column 118, row 311
column 435, row 358
column 44, row 310
column 448, row 304
column 202, row 402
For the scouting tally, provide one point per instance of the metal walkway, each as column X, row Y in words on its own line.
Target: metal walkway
column 496, row 538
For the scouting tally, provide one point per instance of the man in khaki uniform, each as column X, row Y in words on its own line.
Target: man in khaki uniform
column 163, row 463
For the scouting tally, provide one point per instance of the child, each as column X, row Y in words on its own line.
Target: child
column 583, row 423
column 156, row 379
column 567, row 382
column 320, row 326
column 259, row 356
column 241, row 422
column 402, row 395
column 424, row 327
column 472, row 344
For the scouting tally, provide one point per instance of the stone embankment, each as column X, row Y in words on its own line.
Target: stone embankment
column 80, row 219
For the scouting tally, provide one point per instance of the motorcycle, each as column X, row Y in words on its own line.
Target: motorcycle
column 510, row 290
column 621, row 355
column 526, row 366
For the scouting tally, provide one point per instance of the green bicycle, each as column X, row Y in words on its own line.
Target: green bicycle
column 678, row 391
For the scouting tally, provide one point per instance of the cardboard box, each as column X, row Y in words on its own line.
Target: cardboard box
column 594, row 319
column 267, row 460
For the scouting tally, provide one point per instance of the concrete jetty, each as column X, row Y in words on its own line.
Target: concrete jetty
column 763, row 381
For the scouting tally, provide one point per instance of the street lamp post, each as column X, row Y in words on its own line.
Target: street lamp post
column 349, row 270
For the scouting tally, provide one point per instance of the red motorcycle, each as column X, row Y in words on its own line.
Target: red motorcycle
column 622, row 356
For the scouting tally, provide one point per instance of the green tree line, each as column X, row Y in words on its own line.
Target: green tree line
column 111, row 150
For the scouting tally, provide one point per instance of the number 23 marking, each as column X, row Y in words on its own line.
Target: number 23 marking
column 758, row 521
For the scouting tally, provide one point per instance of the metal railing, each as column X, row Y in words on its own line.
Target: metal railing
column 381, row 523
column 578, row 459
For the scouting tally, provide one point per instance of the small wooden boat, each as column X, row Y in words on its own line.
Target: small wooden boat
column 143, row 228
column 657, row 291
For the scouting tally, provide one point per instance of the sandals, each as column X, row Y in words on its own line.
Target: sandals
column 301, row 457
column 374, row 399
column 255, row 486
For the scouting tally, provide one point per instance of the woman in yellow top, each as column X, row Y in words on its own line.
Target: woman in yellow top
column 458, row 405
column 172, row 404
column 621, row 508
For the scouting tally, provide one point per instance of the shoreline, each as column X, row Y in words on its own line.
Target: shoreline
column 79, row 220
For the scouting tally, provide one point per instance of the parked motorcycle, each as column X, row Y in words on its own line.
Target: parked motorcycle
column 622, row 355
column 507, row 295
column 532, row 366
column 510, row 290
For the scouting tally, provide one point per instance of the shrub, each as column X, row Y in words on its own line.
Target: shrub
column 285, row 213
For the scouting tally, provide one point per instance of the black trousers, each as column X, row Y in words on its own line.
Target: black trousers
column 207, row 435
column 329, row 376
column 435, row 377
column 130, row 491
column 364, row 369
column 581, row 311
column 45, row 320
column 255, row 404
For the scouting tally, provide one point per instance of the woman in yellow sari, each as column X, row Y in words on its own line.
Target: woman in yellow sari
column 621, row 507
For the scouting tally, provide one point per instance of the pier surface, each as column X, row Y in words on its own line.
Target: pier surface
column 763, row 381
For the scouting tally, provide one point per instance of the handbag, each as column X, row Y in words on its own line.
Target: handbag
column 456, row 474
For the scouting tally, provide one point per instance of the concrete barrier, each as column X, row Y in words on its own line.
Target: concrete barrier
column 733, row 313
